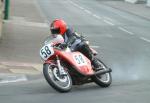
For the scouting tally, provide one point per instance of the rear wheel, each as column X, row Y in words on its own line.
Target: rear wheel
column 61, row 83
column 103, row 80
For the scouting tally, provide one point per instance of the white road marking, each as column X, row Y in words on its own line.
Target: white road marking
column 87, row 11
column 108, row 22
column 31, row 71
column 94, row 46
column 145, row 39
column 12, row 79
column 76, row 5
column 107, row 18
column 81, row 7
column 125, row 30
column 96, row 16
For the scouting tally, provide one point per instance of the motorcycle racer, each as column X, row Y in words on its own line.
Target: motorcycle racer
column 73, row 40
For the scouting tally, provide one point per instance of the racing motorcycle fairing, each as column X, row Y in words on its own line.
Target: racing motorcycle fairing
column 81, row 63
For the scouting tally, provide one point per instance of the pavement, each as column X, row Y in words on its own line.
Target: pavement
column 22, row 38
column 19, row 68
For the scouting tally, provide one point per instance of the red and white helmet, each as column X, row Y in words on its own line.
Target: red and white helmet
column 58, row 26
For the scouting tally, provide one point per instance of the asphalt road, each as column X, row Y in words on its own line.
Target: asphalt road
column 38, row 91
column 123, row 42
column 122, row 39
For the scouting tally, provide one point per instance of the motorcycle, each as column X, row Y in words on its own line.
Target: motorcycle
column 63, row 68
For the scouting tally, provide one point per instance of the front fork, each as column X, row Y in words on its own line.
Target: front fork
column 60, row 68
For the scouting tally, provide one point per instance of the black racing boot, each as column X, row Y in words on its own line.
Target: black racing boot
column 95, row 64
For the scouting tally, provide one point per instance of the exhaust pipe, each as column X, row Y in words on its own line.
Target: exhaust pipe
column 100, row 72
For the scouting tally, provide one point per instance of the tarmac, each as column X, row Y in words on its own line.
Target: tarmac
column 139, row 9
column 26, row 18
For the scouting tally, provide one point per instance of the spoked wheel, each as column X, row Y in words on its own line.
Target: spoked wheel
column 103, row 80
column 61, row 83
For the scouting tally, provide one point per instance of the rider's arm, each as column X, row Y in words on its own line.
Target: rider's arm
column 71, row 37
column 71, row 40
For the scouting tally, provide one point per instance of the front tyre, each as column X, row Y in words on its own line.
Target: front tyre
column 57, row 81
column 103, row 80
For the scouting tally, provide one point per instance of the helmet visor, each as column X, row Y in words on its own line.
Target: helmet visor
column 55, row 30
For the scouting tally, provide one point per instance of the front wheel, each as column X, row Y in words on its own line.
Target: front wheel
column 61, row 83
column 102, row 80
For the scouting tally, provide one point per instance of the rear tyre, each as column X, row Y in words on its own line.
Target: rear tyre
column 57, row 81
column 102, row 80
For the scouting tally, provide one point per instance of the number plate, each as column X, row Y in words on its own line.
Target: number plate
column 79, row 59
column 46, row 51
